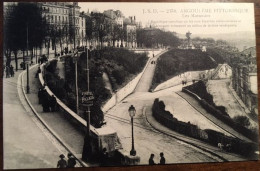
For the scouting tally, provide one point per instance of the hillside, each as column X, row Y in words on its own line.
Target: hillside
column 177, row 61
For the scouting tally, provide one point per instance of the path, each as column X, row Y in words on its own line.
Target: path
column 212, row 149
column 69, row 134
column 24, row 142
column 195, row 104
column 222, row 96
column 147, row 77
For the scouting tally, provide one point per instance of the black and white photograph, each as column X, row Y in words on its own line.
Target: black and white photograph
column 97, row 84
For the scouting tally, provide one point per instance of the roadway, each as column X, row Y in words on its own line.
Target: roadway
column 24, row 139
column 148, row 139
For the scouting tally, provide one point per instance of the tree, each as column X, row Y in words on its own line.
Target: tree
column 153, row 37
column 28, row 17
column 56, row 35
column 115, row 33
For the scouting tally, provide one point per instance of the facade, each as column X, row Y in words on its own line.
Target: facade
column 66, row 26
column 110, row 28
column 244, row 81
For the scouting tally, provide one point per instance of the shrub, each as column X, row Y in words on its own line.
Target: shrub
column 242, row 120
column 177, row 61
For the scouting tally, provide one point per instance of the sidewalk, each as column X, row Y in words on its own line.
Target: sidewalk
column 24, row 142
column 69, row 134
column 195, row 104
column 207, row 148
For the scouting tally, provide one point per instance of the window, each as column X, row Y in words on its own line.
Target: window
column 55, row 19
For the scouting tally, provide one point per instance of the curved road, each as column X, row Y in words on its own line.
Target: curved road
column 24, row 139
column 147, row 77
column 147, row 139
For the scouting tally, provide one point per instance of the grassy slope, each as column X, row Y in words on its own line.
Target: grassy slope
column 177, row 61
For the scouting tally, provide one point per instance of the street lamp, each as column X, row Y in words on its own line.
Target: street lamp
column 87, row 100
column 75, row 60
column 132, row 111
column 27, row 61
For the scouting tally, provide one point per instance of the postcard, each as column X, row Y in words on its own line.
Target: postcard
column 89, row 84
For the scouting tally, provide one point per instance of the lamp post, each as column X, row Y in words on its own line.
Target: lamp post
column 132, row 111
column 87, row 101
column 75, row 60
column 27, row 61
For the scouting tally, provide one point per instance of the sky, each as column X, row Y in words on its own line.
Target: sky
column 198, row 18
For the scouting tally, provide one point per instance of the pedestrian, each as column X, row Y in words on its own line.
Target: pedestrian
column 45, row 101
column 53, row 103
column 7, row 71
column 162, row 160
column 12, row 71
column 151, row 162
column 71, row 161
column 40, row 95
column 104, row 157
column 62, row 163
column 38, row 72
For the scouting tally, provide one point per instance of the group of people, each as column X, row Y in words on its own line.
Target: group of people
column 226, row 147
column 162, row 159
column 48, row 103
column 9, row 71
column 70, row 163
column 184, row 82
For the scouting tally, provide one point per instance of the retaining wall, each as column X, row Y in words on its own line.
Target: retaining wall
column 77, row 120
column 126, row 90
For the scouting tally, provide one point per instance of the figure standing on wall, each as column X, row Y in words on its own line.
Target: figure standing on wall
column 62, row 163
column 71, row 161
column 151, row 162
column 162, row 160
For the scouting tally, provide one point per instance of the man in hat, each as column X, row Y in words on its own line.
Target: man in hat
column 71, row 161
column 62, row 163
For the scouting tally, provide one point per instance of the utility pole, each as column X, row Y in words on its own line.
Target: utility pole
column 87, row 98
column 88, row 107
column 76, row 84
column 74, row 27
column 27, row 63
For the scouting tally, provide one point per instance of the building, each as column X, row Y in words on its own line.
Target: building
column 110, row 28
column 66, row 26
column 244, row 82
column 130, row 27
